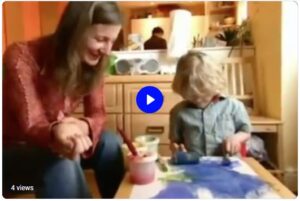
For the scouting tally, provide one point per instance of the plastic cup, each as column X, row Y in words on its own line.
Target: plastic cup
column 142, row 168
column 141, row 149
column 149, row 141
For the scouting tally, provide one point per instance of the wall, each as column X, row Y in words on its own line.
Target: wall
column 13, row 26
column 50, row 15
column 267, row 40
column 41, row 18
column 29, row 20
column 135, row 21
column 289, row 88
column 144, row 27
column 126, row 24
column 273, row 26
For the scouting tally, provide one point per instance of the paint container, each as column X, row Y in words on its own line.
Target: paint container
column 149, row 141
column 142, row 168
column 141, row 149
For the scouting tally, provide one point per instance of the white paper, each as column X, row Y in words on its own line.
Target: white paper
column 152, row 189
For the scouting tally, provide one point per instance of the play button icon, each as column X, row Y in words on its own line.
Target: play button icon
column 149, row 99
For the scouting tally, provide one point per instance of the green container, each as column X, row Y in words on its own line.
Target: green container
column 111, row 70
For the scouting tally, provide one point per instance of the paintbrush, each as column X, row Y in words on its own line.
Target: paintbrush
column 128, row 142
column 163, row 164
column 226, row 160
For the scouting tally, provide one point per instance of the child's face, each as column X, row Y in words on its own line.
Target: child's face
column 204, row 99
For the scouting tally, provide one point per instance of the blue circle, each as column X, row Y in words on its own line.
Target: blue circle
column 154, row 95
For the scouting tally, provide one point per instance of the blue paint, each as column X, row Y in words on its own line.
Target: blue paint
column 221, row 181
column 217, row 163
column 226, row 161
column 177, row 190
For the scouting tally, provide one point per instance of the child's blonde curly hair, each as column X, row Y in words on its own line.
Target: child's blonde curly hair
column 197, row 76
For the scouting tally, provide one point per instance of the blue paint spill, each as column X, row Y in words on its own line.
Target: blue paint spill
column 220, row 180
column 217, row 163
column 177, row 190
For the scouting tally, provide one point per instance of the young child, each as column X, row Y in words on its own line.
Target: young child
column 207, row 121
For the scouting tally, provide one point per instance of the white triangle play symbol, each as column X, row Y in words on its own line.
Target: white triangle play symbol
column 149, row 99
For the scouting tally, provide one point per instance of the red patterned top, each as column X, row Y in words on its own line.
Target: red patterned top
column 32, row 101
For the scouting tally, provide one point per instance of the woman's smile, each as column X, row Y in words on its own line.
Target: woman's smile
column 95, row 55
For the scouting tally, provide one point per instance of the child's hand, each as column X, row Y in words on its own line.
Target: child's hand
column 232, row 144
column 177, row 147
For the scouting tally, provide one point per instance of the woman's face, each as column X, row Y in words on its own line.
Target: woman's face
column 97, row 42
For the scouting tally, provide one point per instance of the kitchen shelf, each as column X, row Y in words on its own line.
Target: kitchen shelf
column 223, row 9
column 223, row 26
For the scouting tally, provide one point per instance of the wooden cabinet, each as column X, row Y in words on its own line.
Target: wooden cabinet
column 113, row 121
column 113, row 98
column 270, row 131
column 131, row 90
column 265, row 129
column 141, row 124
column 150, row 124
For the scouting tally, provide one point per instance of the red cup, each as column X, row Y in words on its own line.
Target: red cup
column 142, row 168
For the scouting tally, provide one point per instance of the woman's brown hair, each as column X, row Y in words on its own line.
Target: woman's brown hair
column 73, row 77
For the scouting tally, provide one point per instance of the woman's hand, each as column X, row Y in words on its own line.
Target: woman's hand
column 80, row 123
column 233, row 143
column 71, row 138
column 62, row 138
column 81, row 144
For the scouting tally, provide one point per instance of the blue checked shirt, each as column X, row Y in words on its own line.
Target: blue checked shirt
column 203, row 130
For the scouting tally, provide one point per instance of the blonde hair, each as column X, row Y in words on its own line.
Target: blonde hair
column 197, row 76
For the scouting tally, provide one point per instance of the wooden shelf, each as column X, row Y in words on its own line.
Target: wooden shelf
column 276, row 171
column 223, row 9
column 223, row 26
column 244, row 97
column 259, row 120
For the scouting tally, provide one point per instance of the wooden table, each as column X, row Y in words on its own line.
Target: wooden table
column 126, row 187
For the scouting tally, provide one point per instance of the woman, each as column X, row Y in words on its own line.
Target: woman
column 44, row 81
